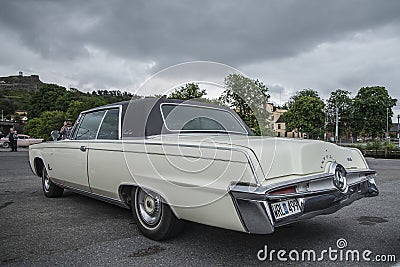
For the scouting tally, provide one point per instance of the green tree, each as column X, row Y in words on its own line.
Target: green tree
column 85, row 103
column 114, row 95
column 342, row 100
column 372, row 106
column 46, row 99
column 189, row 91
column 42, row 126
column 51, row 97
column 7, row 106
column 12, row 99
column 64, row 99
column 301, row 93
column 248, row 98
column 305, row 114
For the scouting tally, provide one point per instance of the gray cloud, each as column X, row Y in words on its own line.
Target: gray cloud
column 291, row 44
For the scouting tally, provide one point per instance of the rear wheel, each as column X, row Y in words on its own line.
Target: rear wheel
column 153, row 217
column 6, row 145
column 49, row 188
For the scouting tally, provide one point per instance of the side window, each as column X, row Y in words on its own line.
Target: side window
column 109, row 129
column 89, row 126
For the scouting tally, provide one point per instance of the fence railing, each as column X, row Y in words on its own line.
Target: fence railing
column 388, row 154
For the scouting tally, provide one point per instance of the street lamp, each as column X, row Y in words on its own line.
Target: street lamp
column 387, row 124
column 337, row 125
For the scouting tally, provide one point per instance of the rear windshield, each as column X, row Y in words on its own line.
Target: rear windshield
column 190, row 118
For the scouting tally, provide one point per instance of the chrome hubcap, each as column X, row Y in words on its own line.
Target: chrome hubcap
column 339, row 179
column 149, row 207
column 46, row 182
column 149, row 204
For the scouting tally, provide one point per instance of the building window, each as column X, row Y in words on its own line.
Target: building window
column 279, row 126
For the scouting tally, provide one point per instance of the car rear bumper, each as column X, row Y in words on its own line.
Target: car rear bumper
column 254, row 203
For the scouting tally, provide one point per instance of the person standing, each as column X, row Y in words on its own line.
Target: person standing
column 12, row 138
column 66, row 129
column 15, row 141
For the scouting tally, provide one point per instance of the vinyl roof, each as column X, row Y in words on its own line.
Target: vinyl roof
column 142, row 117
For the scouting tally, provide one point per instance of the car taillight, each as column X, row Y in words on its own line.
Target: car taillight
column 285, row 190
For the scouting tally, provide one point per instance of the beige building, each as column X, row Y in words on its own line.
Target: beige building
column 278, row 125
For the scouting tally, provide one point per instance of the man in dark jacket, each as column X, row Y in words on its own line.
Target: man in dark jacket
column 13, row 137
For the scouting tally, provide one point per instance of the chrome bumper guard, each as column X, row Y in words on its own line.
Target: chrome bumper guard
column 253, row 203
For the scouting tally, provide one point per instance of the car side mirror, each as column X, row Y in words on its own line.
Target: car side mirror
column 54, row 134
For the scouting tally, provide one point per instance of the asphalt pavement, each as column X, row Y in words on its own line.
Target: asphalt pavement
column 75, row 230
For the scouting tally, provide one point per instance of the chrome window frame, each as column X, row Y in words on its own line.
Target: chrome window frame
column 107, row 108
column 100, row 124
column 119, row 124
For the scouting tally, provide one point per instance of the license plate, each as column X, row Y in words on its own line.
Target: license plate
column 285, row 208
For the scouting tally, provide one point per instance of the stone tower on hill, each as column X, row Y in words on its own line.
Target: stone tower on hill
column 29, row 83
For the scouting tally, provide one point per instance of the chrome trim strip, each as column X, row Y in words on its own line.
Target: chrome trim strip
column 235, row 204
column 315, row 177
column 327, row 176
column 101, row 122
column 247, row 197
column 101, row 108
column 120, row 123
column 183, row 134
column 77, row 123
column 94, row 195
column 116, row 150
column 241, row 150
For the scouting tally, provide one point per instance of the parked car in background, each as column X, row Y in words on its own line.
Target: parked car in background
column 170, row 161
column 23, row 141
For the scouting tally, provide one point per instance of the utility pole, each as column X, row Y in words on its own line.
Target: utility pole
column 337, row 125
column 398, row 128
column 325, row 124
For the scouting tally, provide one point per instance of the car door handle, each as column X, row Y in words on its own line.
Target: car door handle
column 83, row 148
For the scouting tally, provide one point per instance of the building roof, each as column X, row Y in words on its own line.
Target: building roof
column 280, row 119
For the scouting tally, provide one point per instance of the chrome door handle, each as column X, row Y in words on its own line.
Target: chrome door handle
column 82, row 148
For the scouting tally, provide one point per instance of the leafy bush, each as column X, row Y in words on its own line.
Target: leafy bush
column 360, row 147
column 391, row 146
column 42, row 126
column 375, row 145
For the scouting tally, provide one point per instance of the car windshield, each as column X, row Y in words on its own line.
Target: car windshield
column 191, row 118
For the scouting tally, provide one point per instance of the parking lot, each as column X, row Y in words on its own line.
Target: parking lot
column 76, row 230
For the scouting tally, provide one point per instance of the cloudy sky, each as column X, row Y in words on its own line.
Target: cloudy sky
column 289, row 45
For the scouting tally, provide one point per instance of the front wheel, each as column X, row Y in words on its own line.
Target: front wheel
column 6, row 145
column 49, row 188
column 153, row 217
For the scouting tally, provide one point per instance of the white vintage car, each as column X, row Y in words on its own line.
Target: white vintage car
column 170, row 161
column 22, row 141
